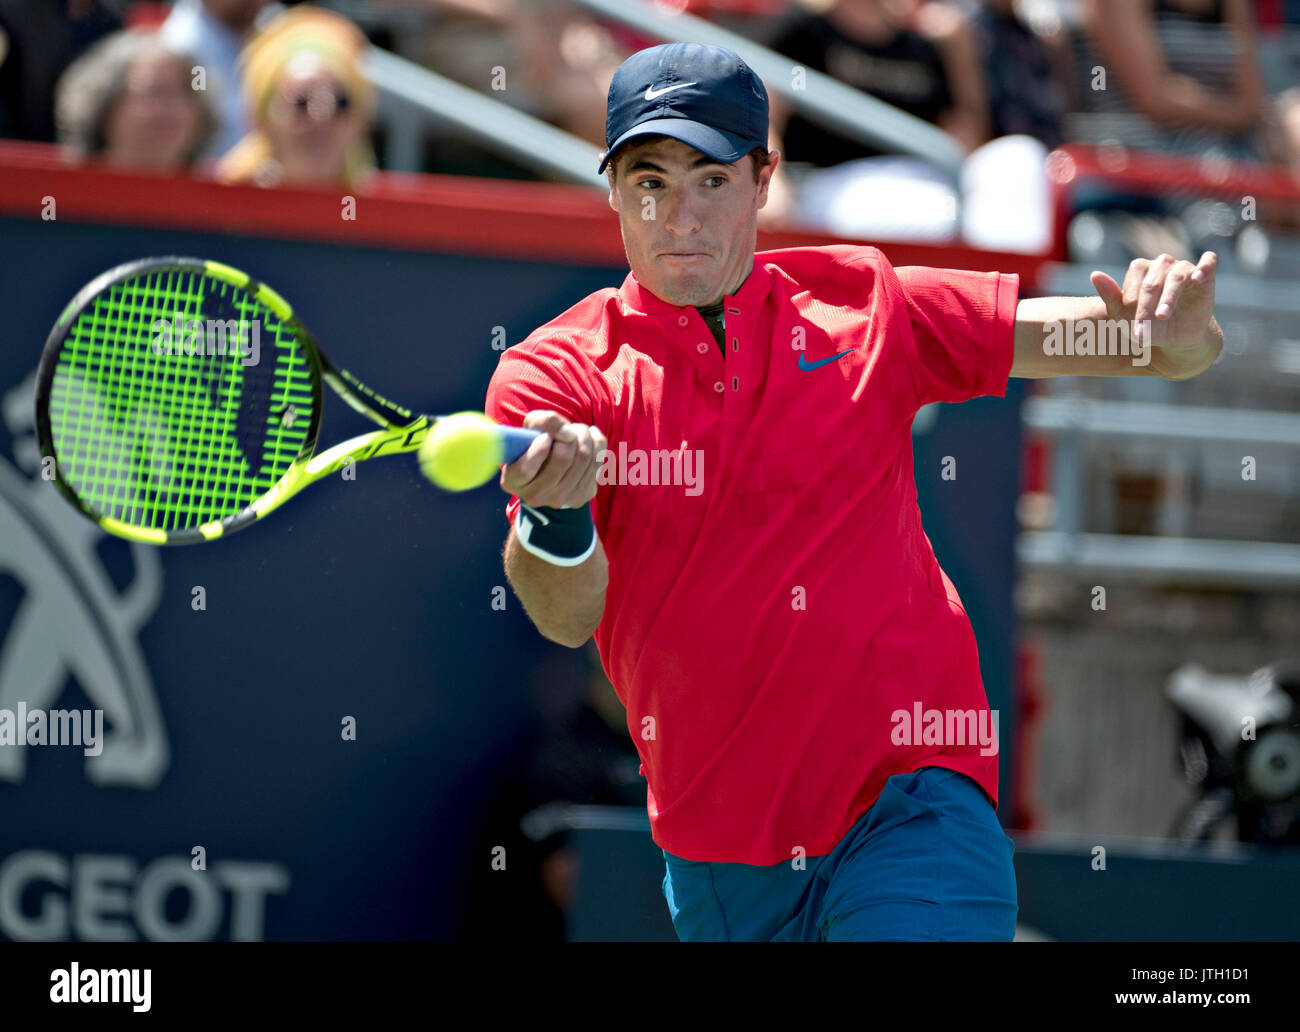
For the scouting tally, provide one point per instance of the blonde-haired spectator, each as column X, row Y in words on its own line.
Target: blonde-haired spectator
column 310, row 103
column 130, row 103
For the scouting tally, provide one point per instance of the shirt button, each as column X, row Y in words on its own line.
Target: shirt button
column 682, row 320
column 719, row 387
column 702, row 348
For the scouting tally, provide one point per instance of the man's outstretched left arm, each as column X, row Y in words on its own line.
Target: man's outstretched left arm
column 1159, row 323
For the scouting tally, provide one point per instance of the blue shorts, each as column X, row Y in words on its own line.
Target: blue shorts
column 928, row 861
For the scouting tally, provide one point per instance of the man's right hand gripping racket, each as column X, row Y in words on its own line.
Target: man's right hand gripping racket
column 181, row 399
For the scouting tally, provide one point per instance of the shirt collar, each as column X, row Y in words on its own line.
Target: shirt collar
column 639, row 299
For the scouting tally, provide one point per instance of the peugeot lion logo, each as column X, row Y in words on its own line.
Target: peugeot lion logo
column 71, row 622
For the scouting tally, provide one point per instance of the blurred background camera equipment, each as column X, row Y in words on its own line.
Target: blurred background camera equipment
column 1240, row 749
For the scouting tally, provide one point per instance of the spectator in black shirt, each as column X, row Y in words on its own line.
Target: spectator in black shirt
column 38, row 40
column 1175, row 75
column 924, row 59
column 920, row 59
column 1026, row 67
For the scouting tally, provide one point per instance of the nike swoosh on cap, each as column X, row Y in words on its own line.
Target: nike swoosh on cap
column 651, row 92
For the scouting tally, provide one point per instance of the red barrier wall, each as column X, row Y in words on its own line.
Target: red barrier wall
column 490, row 217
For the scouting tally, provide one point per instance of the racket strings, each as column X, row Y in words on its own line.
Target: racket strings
column 177, row 435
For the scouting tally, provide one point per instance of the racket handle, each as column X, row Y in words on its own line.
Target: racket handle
column 516, row 441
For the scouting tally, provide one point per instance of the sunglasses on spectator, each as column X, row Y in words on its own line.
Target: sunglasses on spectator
column 302, row 104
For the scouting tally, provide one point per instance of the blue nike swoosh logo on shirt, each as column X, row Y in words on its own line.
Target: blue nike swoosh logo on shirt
column 805, row 364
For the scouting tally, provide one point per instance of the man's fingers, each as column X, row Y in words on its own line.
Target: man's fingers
column 1149, row 292
column 586, row 467
column 1175, row 282
column 528, row 465
column 544, row 420
column 1109, row 291
column 1206, row 268
column 543, row 489
column 1137, row 272
column 529, row 471
column 567, row 434
column 570, row 488
column 578, row 484
column 1152, row 290
column 559, row 468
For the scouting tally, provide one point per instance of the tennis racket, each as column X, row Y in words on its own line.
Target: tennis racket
column 181, row 400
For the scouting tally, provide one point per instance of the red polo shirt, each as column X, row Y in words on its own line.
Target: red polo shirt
column 771, row 612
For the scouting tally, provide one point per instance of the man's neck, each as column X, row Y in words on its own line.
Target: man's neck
column 717, row 303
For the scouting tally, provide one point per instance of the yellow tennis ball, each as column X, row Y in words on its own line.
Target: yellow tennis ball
column 461, row 451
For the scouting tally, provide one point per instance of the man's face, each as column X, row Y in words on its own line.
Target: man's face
column 690, row 224
column 155, row 121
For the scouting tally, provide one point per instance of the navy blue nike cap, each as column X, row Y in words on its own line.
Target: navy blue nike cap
column 705, row 96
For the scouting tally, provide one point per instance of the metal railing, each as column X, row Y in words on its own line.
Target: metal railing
column 412, row 97
column 1162, row 560
column 1079, row 425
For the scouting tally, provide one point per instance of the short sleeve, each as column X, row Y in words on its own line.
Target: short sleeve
column 963, row 328
column 547, row 374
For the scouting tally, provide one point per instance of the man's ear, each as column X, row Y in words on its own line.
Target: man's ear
column 765, row 176
column 613, row 193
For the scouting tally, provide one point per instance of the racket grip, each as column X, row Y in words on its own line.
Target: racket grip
column 516, row 441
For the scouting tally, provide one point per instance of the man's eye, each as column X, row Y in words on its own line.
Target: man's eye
column 716, row 181
column 650, row 184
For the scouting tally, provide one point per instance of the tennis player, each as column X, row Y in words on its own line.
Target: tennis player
column 724, row 497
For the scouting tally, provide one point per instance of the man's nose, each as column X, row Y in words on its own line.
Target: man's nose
column 682, row 218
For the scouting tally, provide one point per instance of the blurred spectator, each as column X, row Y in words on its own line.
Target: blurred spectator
column 566, row 62
column 555, row 60
column 1181, row 76
column 1026, row 67
column 215, row 31
column 1279, row 42
column 38, row 40
column 921, row 59
column 1282, row 140
column 310, row 102
column 1185, row 77
column 1285, row 137
column 128, row 102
